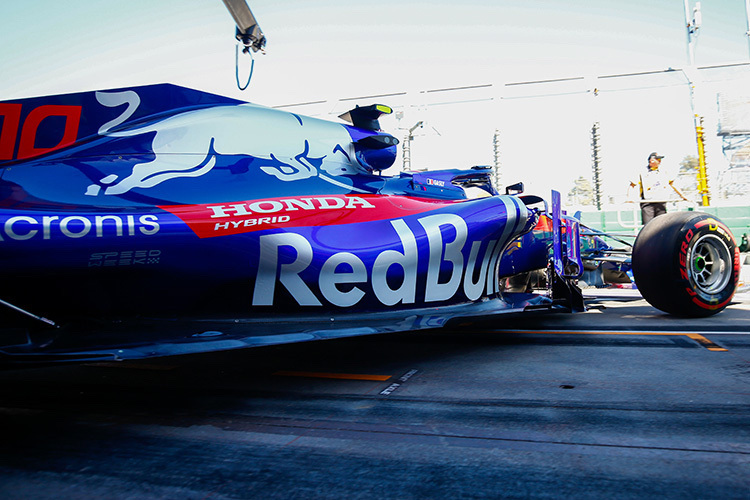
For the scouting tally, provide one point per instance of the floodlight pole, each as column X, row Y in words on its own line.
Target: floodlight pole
column 692, row 29
column 595, row 156
column 693, row 21
column 407, row 145
column 496, row 158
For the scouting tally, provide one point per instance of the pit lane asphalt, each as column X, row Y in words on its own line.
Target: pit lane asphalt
column 619, row 402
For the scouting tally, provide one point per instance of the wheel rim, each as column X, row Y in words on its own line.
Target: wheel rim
column 710, row 264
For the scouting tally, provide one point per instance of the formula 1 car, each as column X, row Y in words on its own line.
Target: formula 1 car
column 161, row 220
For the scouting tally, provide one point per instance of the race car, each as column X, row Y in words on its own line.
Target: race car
column 161, row 220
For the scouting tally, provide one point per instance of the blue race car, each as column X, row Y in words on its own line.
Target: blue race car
column 160, row 220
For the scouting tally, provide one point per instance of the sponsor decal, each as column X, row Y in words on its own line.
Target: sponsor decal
column 683, row 254
column 50, row 227
column 286, row 146
column 714, row 225
column 220, row 219
column 710, row 302
column 11, row 125
column 345, row 279
column 125, row 258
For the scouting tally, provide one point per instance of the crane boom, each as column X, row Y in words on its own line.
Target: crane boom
column 248, row 30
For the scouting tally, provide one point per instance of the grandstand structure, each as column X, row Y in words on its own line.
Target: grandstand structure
column 734, row 130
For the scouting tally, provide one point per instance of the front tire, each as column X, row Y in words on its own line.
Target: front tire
column 686, row 264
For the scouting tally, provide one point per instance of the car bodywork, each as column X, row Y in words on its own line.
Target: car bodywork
column 161, row 220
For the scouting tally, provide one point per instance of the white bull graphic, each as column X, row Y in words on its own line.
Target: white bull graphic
column 186, row 145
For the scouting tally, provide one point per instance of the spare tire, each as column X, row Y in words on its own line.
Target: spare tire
column 686, row 264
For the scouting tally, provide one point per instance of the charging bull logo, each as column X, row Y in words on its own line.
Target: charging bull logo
column 283, row 145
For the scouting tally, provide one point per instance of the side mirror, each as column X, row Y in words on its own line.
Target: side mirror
column 514, row 188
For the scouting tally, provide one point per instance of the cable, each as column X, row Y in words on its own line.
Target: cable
column 536, row 82
column 237, row 66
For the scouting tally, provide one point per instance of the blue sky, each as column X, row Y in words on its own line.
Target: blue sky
column 345, row 47
column 335, row 49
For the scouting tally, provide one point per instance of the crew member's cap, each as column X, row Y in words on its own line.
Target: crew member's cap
column 654, row 155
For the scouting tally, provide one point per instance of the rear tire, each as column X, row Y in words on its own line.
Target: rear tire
column 686, row 264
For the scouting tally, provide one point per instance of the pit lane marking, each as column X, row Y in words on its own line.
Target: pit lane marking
column 401, row 380
column 340, row 376
column 702, row 341
column 705, row 342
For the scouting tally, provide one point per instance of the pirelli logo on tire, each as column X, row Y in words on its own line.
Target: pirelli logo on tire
column 687, row 264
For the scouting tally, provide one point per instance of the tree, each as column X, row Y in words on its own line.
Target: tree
column 582, row 192
column 687, row 177
column 689, row 164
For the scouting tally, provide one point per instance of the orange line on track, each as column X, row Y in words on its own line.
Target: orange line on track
column 705, row 342
column 591, row 332
column 695, row 336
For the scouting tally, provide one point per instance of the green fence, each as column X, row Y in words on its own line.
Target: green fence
column 622, row 221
